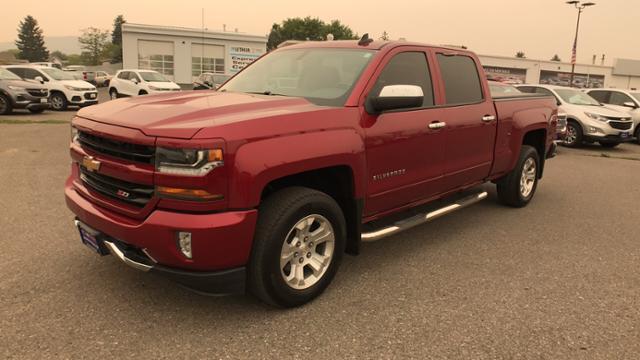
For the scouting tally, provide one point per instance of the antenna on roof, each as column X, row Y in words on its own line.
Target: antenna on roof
column 365, row 40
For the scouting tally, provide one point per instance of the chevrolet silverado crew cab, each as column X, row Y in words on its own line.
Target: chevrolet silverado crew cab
column 263, row 185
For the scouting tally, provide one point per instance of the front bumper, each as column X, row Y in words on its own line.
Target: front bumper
column 612, row 139
column 83, row 98
column 221, row 242
column 28, row 101
column 223, row 282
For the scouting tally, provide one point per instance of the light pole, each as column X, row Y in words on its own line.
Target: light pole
column 580, row 6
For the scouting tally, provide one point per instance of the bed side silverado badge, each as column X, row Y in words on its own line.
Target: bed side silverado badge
column 90, row 163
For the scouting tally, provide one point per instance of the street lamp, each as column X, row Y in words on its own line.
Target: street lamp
column 580, row 6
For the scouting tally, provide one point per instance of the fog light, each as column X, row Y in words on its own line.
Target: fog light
column 595, row 130
column 184, row 243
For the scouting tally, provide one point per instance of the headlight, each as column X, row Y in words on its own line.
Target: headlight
column 74, row 134
column 189, row 162
column 155, row 88
column 596, row 117
column 16, row 88
column 73, row 88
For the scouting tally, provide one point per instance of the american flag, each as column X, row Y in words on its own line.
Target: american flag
column 573, row 51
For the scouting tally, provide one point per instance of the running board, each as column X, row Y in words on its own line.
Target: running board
column 419, row 219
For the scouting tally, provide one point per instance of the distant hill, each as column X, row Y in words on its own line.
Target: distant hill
column 66, row 44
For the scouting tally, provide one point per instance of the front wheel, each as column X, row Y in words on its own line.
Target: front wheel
column 36, row 111
column 113, row 94
column 58, row 102
column 517, row 188
column 299, row 241
column 5, row 105
column 574, row 135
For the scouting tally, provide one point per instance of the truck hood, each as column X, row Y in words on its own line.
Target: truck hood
column 182, row 115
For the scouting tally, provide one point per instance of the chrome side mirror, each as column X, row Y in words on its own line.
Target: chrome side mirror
column 393, row 97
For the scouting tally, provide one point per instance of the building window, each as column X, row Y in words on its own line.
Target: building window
column 156, row 55
column 207, row 59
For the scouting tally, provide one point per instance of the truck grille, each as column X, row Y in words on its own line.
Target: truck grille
column 621, row 125
column 130, row 193
column 119, row 149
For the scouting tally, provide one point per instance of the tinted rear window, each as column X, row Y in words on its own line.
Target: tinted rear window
column 461, row 79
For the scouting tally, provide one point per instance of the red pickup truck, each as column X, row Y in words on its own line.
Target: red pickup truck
column 263, row 185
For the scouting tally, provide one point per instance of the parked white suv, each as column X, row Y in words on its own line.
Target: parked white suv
column 621, row 100
column 64, row 89
column 139, row 82
column 587, row 119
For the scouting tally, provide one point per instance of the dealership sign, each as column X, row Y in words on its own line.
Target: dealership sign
column 242, row 56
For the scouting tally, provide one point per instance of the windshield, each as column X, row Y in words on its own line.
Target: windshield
column 636, row 96
column 150, row 76
column 57, row 74
column 576, row 97
column 322, row 76
column 8, row 75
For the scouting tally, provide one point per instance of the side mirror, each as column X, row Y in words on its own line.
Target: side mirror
column 630, row 104
column 135, row 81
column 39, row 79
column 393, row 97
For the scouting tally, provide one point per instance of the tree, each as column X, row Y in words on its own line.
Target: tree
column 59, row 55
column 384, row 36
column 30, row 41
column 93, row 41
column 307, row 29
column 556, row 58
column 520, row 54
column 116, row 39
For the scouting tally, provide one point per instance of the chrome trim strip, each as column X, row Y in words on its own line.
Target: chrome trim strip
column 113, row 248
column 422, row 218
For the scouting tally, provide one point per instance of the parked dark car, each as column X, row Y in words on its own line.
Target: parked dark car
column 210, row 81
column 16, row 93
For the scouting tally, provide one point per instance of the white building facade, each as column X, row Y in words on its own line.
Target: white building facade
column 182, row 54
column 624, row 74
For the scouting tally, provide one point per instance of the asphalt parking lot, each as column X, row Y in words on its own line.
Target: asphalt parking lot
column 558, row 279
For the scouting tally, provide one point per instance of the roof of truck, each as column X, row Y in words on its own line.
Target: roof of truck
column 374, row 45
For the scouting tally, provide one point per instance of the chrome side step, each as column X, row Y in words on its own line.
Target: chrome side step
column 419, row 219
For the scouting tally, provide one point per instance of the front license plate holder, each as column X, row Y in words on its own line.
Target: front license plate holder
column 92, row 239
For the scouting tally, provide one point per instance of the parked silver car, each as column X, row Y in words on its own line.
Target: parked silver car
column 587, row 119
column 622, row 100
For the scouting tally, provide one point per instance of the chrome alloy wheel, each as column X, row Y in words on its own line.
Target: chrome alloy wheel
column 572, row 134
column 307, row 252
column 528, row 177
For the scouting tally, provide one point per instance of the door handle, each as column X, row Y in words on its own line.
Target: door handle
column 488, row 118
column 437, row 125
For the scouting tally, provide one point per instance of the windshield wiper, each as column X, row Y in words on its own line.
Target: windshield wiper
column 266, row 92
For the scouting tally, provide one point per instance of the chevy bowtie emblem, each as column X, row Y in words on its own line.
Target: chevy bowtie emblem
column 90, row 163
column 123, row 193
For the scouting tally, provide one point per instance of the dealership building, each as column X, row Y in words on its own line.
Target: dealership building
column 624, row 74
column 182, row 54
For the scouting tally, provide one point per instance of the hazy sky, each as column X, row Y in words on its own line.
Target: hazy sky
column 540, row 28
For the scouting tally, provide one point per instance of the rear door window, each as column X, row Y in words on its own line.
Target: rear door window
column 461, row 79
column 407, row 68
column 123, row 75
column 618, row 98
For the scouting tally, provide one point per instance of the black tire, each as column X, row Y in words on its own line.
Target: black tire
column 575, row 141
column 113, row 94
column 637, row 134
column 609, row 145
column 142, row 92
column 36, row 111
column 277, row 216
column 509, row 187
column 58, row 102
column 5, row 105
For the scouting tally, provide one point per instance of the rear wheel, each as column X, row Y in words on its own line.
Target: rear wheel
column 574, row 134
column 608, row 145
column 298, row 245
column 58, row 102
column 518, row 187
column 142, row 92
column 5, row 105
